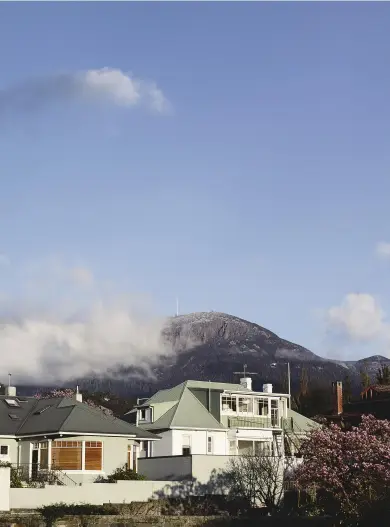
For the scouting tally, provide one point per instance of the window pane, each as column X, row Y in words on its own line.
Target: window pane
column 245, row 405
column 229, row 403
column 93, row 456
column 261, row 406
column 66, row 457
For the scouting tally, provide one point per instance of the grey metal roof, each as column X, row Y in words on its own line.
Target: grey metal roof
column 54, row 415
column 302, row 424
column 188, row 412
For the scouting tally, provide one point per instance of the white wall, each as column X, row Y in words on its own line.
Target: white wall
column 4, row 488
column 198, row 440
column 171, row 468
column 93, row 493
column 12, row 450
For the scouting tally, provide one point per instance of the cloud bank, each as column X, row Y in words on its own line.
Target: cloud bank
column 68, row 326
column 95, row 85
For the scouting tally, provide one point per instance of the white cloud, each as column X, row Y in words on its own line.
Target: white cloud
column 360, row 317
column 110, row 84
column 54, row 333
column 48, row 348
column 383, row 249
column 81, row 276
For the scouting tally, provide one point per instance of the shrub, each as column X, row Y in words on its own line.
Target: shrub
column 51, row 513
column 121, row 474
column 15, row 481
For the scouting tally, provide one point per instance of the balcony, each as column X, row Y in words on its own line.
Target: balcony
column 254, row 422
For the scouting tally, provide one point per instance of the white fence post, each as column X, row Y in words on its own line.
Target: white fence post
column 5, row 479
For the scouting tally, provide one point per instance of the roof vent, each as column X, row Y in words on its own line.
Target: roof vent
column 267, row 388
column 10, row 391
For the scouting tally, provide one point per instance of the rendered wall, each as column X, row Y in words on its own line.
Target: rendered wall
column 171, row 468
column 12, row 444
column 4, row 488
column 199, row 441
column 93, row 493
column 163, row 447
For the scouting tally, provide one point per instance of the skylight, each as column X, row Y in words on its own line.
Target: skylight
column 12, row 402
column 14, row 417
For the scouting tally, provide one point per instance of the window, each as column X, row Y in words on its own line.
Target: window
column 12, row 402
column 67, row 455
column 232, row 447
column 142, row 414
column 209, row 444
column 186, row 445
column 261, row 406
column 44, row 457
column 93, row 455
column 229, row 403
column 245, row 405
column 14, row 417
column 4, row 450
column 274, row 412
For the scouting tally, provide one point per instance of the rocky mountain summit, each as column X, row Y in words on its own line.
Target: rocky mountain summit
column 212, row 346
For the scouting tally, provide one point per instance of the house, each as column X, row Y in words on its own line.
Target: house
column 66, row 439
column 374, row 400
column 198, row 418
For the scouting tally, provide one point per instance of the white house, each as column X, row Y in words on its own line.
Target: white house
column 198, row 418
column 64, row 439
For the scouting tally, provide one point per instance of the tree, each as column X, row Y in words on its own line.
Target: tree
column 347, row 388
column 364, row 377
column 353, row 467
column 258, row 479
column 69, row 393
column 383, row 375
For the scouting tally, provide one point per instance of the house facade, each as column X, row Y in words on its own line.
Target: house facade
column 220, row 419
column 66, row 439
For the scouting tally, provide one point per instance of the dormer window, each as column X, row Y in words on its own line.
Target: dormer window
column 142, row 414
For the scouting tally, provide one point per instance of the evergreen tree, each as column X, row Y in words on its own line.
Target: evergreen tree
column 383, row 375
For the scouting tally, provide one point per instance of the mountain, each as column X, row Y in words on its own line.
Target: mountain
column 212, row 346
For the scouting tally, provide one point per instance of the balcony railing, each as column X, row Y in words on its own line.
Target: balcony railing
column 34, row 475
column 254, row 422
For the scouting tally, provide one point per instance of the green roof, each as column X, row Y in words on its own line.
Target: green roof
column 301, row 423
column 188, row 412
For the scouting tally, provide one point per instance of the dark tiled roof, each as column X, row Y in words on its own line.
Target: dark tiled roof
column 380, row 388
column 49, row 416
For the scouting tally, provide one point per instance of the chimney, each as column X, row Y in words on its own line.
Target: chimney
column 78, row 396
column 10, row 391
column 267, row 388
column 337, row 387
column 246, row 382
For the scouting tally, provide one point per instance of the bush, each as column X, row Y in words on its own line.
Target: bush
column 121, row 474
column 51, row 513
column 15, row 481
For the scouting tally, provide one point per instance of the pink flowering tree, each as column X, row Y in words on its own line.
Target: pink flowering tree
column 69, row 393
column 352, row 467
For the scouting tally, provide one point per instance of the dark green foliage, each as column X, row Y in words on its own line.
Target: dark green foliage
column 15, row 481
column 53, row 512
column 121, row 474
column 383, row 375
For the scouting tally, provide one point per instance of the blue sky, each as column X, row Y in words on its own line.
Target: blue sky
column 261, row 190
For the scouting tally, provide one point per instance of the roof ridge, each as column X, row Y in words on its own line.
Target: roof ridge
column 27, row 416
